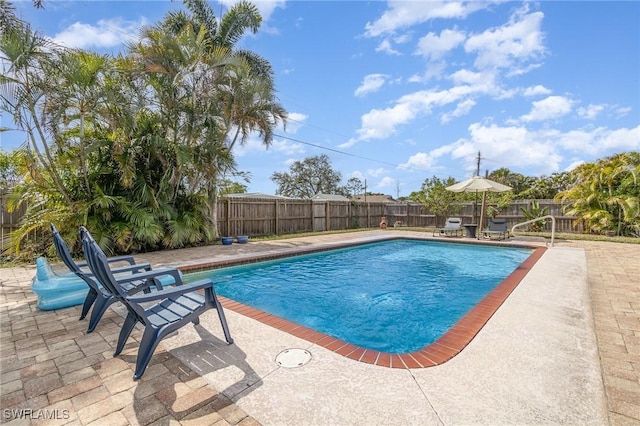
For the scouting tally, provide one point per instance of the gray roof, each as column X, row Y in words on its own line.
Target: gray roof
column 329, row 197
column 256, row 195
column 374, row 198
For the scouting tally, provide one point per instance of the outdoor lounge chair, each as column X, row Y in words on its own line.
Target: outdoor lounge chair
column 160, row 312
column 81, row 268
column 497, row 228
column 453, row 227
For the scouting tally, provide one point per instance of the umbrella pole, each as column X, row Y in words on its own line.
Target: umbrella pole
column 475, row 208
column 484, row 197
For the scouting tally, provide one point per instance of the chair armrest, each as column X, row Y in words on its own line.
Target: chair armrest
column 152, row 274
column 132, row 268
column 125, row 258
column 172, row 291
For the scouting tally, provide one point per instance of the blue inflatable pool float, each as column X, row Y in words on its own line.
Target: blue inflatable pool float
column 57, row 291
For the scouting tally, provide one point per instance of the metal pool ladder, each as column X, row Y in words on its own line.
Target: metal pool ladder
column 553, row 226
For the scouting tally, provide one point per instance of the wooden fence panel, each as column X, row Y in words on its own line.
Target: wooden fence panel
column 294, row 216
column 9, row 221
column 339, row 215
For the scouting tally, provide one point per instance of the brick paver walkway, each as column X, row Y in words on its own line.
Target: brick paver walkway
column 614, row 286
column 52, row 367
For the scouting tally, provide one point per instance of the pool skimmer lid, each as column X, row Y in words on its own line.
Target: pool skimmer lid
column 293, row 358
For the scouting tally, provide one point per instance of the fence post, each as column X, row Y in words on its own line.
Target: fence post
column 407, row 221
column 327, row 219
column 277, row 218
column 228, row 233
column 313, row 219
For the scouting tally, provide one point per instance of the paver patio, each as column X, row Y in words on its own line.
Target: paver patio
column 49, row 365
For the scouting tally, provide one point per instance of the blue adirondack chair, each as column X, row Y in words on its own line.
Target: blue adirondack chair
column 97, row 296
column 160, row 312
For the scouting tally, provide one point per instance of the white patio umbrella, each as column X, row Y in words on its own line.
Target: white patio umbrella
column 479, row 184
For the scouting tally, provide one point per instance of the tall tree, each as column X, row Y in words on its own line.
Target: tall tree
column 437, row 199
column 309, row 177
column 222, row 94
column 354, row 187
column 30, row 65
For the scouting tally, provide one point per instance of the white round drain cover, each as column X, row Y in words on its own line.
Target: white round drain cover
column 292, row 358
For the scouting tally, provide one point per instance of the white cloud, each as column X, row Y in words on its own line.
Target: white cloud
column 427, row 161
column 574, row 165
column 287, row 147
column 255, row 145
column 512, row 147
column 295, row 120
column 541, row 152
column 536, row 90
column 419, row 161
column 434, row 47
column 402, row 14
column 386, row 182
column 601, row 140
column 385, row 47
column 591, row 111
column 462, row 108
column 382, row 123
column 551, row 107
column 357, row 174
column 370, row 84
column 434, row 70
column 464, row 76
column 510, row 45
column 404, row 38
column 622, row 111
column 106, row 33
column 376, row 172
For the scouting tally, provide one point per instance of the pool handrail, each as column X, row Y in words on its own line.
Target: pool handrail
column 553, row 226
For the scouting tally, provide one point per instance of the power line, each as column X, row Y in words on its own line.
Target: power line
column 345, row 153
column 400, row 166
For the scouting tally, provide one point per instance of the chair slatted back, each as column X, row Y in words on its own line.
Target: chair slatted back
column 63, row 251
column 99, row 264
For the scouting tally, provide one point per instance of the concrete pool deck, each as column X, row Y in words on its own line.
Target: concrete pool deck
column 538, row 359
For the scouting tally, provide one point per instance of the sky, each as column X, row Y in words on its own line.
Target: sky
column 397, row 92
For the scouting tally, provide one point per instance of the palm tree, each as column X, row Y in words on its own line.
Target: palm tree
column 30, row 72
column 606, row 196
column 214, row 95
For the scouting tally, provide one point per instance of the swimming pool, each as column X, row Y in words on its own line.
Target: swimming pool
column 393, row 296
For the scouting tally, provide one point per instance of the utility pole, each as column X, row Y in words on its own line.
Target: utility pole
column 478, row 165
column 365, row 190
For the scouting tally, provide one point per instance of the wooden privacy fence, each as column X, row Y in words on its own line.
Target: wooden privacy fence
column 268, row 216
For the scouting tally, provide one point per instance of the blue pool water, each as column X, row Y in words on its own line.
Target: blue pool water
column 394, row 296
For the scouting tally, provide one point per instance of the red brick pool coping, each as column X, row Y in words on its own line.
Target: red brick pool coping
column 442, row 350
